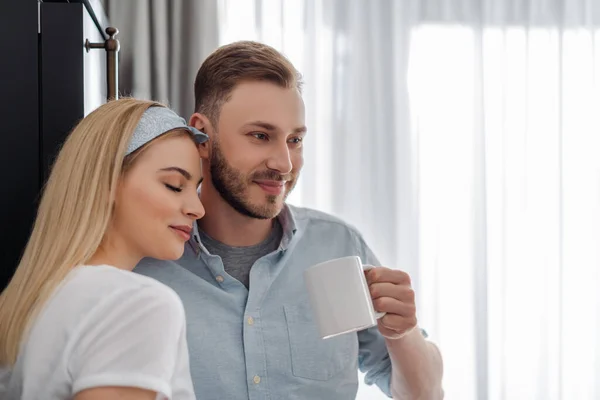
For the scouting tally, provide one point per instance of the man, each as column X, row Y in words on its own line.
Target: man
column 250, row 328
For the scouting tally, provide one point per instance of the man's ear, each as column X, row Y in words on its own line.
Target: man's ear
column 202, row 123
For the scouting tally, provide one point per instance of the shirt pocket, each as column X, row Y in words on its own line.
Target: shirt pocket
column 313, row 357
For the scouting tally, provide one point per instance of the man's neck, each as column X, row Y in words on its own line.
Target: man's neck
column 226, row 225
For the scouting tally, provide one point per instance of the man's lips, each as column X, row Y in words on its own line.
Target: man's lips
column 270, row 186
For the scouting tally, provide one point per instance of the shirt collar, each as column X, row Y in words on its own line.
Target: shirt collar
column 286, row 219
column 288, row 224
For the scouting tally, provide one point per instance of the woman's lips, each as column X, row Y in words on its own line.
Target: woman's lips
column 184, row 231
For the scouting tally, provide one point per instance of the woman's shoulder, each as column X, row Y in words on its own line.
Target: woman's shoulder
column 90, row 285
column 105, row 277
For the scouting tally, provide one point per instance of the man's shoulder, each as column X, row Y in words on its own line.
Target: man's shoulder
column 163, row 269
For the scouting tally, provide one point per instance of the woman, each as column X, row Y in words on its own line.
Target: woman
column 75, row 322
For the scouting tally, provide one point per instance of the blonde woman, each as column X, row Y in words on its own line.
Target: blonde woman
column 75, row 322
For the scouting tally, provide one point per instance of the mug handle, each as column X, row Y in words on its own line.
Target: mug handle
column 378, row 315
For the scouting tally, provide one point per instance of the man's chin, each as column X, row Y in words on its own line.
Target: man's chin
column 268, row 209
column 260, row 199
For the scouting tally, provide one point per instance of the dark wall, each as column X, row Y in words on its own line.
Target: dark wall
column 61, row 74
column 42, row 97
column 19, row 128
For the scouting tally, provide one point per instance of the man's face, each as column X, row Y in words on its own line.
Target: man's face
column 256, row 155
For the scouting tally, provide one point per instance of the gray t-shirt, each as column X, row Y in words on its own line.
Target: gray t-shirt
column 238, row 261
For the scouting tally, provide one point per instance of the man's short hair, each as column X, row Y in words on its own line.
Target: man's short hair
column 243, row 61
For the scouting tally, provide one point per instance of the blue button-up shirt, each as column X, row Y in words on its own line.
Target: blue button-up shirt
column 263, row 343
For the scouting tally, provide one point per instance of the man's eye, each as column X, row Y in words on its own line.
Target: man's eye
column 260, row 136
column 296, row 140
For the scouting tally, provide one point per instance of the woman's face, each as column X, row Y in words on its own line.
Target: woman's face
column 157, row 200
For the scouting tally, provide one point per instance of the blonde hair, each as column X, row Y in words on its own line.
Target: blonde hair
column 73, row 216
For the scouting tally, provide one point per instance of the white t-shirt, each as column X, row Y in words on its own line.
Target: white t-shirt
column 103, row 327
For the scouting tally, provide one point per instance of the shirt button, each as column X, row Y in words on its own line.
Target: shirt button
column 250, row 321
column 256, row 379
column 219, row 278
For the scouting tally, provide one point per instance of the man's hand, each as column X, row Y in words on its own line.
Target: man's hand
column 392, row 293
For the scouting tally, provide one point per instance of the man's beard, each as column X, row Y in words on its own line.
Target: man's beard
column 232, row 185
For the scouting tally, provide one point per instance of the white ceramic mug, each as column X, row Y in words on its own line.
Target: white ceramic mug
column 339, row 296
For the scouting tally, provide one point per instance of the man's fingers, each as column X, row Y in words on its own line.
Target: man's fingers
column 403, row 293
column 393, row 306
column 382, row 274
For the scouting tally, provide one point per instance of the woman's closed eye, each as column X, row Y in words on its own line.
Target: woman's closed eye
column 173, row 188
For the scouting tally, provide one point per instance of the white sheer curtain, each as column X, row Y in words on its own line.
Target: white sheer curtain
column 509, row 207
column 463, row 139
